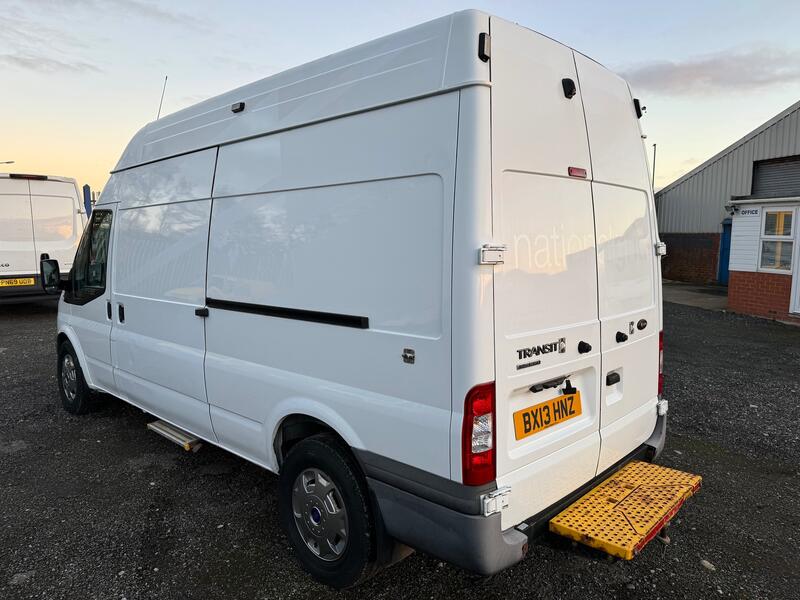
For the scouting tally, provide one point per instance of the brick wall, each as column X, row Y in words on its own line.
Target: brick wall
column 691, row 257
column 761, row 294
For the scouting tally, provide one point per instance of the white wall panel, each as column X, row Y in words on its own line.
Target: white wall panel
column 744, row 239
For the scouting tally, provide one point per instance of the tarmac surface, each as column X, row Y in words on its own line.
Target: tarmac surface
column 99, row 507
column 712, row 297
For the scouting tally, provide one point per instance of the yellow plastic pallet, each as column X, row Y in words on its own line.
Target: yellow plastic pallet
column 622, row 514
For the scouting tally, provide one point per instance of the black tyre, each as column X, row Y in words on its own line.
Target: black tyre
column 325, row 511
column 75, row 394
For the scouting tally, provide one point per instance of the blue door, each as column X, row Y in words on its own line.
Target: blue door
column 724, row 252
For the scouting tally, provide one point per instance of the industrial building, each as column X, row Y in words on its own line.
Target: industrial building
column 733, row 220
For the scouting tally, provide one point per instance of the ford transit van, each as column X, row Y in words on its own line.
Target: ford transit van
column 39, row 214
column 418, row 279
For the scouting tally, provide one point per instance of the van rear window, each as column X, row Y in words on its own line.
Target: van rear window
column 53, row 218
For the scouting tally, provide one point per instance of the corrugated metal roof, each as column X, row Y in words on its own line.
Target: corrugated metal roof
column 757, row 131
column 695, row 203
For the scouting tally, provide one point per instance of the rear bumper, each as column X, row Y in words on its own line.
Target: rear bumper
column 472, row 541
column 23, row 293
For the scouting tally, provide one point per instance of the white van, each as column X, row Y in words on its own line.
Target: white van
column 419, row 279
column 39, row 214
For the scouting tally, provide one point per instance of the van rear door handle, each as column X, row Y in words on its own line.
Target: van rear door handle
column 121, row 313
column 201, row 312
column 546, row 385
column 613, row 378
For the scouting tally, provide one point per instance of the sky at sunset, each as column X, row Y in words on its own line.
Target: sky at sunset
column 80, row 77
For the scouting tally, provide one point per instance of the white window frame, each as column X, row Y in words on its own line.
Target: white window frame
column 792, row 237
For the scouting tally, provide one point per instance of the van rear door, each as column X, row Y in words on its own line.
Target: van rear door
column 17, row 253
column 545, row 294
column 628, row 283
column 57, row 220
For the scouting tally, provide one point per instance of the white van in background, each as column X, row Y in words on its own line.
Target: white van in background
column 419, row 279
column 39, row 214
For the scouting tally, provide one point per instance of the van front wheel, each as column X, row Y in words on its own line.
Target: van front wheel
column 325, row 512
column 75, row 394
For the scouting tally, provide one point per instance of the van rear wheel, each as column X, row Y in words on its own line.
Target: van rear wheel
column 325, row 512
column 75, row 394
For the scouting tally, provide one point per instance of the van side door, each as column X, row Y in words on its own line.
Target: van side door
column 89, row 298
column 158, row 340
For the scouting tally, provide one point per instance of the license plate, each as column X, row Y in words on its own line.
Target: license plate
column 15, row 282
column 546, row 414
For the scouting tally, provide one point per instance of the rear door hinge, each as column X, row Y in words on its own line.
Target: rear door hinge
column 495, row 501
column 661, row 249
column 492, row 254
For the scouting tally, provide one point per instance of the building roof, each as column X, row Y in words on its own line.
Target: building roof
column 756, row 132
column 430, row 58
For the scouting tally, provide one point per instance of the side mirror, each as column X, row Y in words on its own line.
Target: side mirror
column 50, row 275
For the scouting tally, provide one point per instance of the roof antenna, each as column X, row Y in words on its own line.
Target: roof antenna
column 164, row 89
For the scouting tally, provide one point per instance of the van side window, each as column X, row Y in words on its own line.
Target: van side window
column 89, row 269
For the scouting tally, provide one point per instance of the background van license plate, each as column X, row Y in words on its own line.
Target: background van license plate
column 541, row 416
column 19, row 281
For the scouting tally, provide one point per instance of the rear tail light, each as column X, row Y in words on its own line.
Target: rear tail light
column 660, row 363
column 478, row 436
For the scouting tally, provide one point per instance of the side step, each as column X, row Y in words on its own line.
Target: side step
column 183, row 438
column 627, row 510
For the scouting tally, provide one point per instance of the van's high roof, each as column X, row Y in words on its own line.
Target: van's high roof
column 37, row 177
column 426, row 59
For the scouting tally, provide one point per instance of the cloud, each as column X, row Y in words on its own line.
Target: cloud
column 134, row 8
column 32, row 45
column 734, row 70
column 32, row 40
column 44, row 64
column 155, row 12
column 20, row 31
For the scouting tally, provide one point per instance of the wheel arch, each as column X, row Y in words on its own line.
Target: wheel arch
column 68, row 334
column 297, row 425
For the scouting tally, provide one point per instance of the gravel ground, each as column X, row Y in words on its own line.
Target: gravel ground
column 98, row 507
